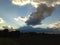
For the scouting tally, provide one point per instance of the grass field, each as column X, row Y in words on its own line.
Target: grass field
column 31, row 40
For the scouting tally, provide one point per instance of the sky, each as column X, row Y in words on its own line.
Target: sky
column 10, row 13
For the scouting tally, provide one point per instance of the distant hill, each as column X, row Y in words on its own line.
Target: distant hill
column 39, row 30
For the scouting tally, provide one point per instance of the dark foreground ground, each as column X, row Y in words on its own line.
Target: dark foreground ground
column 32, row 38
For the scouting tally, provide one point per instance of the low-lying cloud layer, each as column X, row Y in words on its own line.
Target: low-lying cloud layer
column 44, row 9
column 54, row 25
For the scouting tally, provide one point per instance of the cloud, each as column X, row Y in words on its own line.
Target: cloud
column 1, row 20
column 43, row 11
column 20, row 21
column 20, row 18
column 35, row 3
column 54, row 25
column 1, row 28
column 20, row 2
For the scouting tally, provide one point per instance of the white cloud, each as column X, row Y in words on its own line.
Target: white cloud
column 16, row 19
column 20, row 21
column 41, row 26
column 20, row 2
column 35, row 3
column 1, row 20
column 20, row 18
column 1, row 28
column 54, row 25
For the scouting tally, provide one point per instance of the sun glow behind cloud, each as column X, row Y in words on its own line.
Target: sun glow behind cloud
column 1, row 20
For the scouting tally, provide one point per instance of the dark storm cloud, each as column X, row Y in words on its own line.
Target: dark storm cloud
column 43, row 11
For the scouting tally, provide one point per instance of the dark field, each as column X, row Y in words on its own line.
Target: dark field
column 31, row 38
